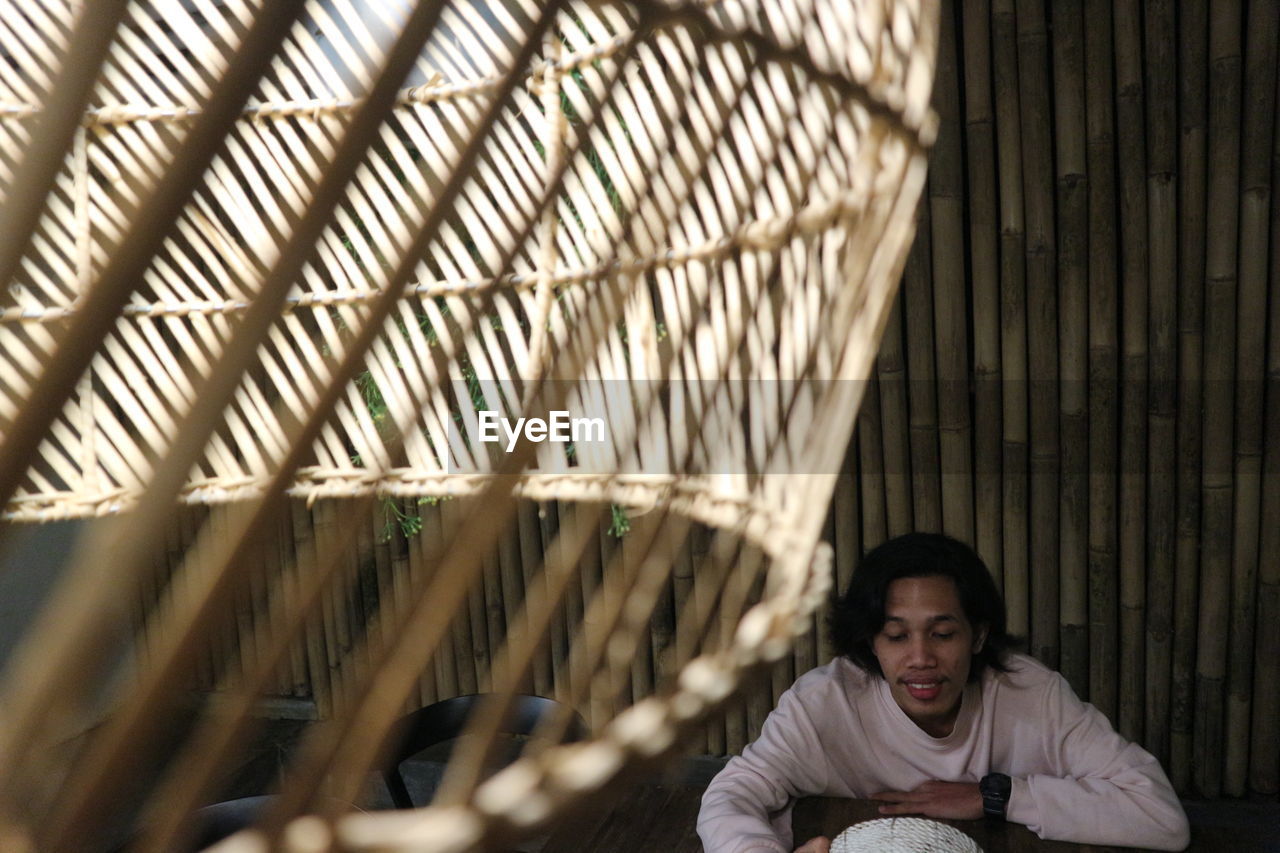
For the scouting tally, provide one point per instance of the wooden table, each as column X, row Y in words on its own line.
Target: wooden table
column 661, row 819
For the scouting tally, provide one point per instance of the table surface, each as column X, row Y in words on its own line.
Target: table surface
column 661, row 819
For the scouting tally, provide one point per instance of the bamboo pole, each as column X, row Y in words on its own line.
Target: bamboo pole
column 1219, row 402
column 985, row 274
column 1193, row 63
column 424, row 556
column 478, row 630
column 685, row 636
column 1013, row 315
column 1103, row 363
column 922, row 405
column 573, row 603
column 1264, row 758
column 591, row 575
column 317, row 662
column 391, row 589
column 822, row 628
column 848, row 532
column 1258, row 111
column 705, row 595
column 871, row 467
column 1133, row 369
column 548, row 524
column 298, row 674
column 946, row 212
column 635, row 546
column 338, row 639
column 1162, row 316
column 1042, row 326
column 895, row 458
column 452, row 512
column 495, row 619
column 1073, row 300
column 530, row 549
column 512, row 582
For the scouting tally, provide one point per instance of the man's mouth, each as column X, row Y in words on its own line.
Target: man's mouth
column 923, row 691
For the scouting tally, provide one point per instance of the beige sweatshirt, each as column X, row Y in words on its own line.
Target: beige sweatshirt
column 837, row 732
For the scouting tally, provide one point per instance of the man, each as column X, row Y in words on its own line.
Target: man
column 928, row 711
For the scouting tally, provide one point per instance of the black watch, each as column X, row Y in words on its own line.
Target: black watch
column 995, row 788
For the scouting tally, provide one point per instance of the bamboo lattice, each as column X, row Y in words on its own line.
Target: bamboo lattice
column 299, row 249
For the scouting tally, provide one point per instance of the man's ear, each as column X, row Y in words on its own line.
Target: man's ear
column 980, row 638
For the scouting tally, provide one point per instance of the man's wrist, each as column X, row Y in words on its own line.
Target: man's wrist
column 995, row 789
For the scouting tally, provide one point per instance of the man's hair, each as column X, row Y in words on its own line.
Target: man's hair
column 859, row 615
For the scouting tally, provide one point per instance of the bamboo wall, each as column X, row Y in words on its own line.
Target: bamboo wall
column 1080, row 377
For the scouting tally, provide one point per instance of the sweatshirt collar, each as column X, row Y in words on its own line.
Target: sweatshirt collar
column 970, row 704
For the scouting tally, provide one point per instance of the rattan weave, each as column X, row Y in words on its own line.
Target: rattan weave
column 903, row 835
column 295, row 249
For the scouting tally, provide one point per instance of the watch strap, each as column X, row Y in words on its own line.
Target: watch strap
column 995, row 789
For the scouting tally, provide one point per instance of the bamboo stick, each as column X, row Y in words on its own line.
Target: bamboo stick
column 1073, row 301
column 894, row 438
column 946, row 211
column 452, row 512
column 392, row 589
column 339, row 638
column 1219, row 378
column 847, row 536
column 423, row 557
column 1103, row 364
column 922, row 405
column 1192, row 111
column 685, row 636
column 495, row 619
column 634, row 547
column 299, row 679
column 548, row 524
column 871, row 468
column 477, row 621
column 1257, row 113
column 1162, row 234
column 1264, row 735
column 1013, row 315
column 1042, row 327
column 822, row 628
column 600, row 707
column 512, row 583
column 704, row 598
column 984, row 273
column 530, row 549
column 317, row 662
column 1133, row 370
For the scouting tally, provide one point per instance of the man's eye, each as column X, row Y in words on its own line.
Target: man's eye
column 941, row 636
column 895, row 638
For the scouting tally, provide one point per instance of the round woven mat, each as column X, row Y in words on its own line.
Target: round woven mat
column 903, row 835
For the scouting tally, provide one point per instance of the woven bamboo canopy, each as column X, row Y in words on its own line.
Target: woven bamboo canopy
column 324, row 249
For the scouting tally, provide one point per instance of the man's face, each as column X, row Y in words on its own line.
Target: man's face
column 925, row 649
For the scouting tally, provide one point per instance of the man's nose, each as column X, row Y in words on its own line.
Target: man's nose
column 921, row 652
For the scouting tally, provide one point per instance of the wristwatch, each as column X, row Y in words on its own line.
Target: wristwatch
column 995, row 788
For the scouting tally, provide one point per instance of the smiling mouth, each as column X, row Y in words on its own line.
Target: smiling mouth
column 923, row 691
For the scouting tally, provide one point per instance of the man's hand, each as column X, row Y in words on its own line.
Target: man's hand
column 951, row 800
column 821, row 844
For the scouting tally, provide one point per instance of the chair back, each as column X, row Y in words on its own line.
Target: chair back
column 445, row 720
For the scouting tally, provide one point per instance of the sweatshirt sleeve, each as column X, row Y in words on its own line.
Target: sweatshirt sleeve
column 1101, row 789
column 747, row 806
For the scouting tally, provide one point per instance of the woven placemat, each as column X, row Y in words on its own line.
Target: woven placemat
column 903, row 835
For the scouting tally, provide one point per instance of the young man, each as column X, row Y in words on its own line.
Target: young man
column 928, row 711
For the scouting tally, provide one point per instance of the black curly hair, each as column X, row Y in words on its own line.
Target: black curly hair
column 858, row 616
